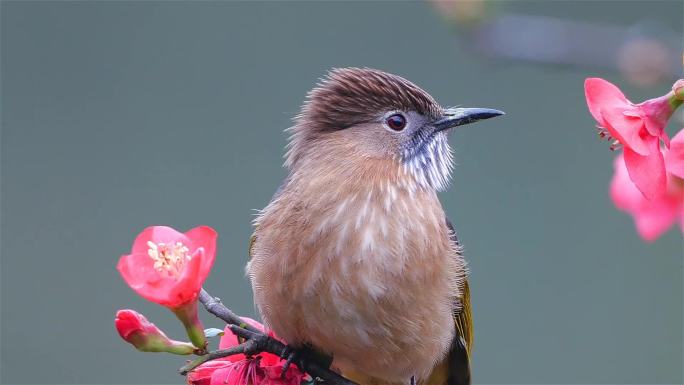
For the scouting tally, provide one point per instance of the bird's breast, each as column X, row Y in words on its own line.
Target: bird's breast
column 369, row 275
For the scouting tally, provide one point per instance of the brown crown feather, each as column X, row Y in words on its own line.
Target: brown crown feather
column 349, row 96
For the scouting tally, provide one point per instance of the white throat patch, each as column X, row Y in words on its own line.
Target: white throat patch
column 430, row 161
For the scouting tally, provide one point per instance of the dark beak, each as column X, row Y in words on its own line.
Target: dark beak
column 459, row 116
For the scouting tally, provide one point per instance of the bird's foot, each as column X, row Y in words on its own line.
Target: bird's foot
column 300, row 356
column 290, row 355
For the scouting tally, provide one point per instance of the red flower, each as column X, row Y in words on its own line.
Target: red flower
column 261, row 369
column 653, row 217
column 135, row 329
column 169, row 268
column 637, row 127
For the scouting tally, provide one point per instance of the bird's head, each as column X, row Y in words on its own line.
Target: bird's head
column 379, row 116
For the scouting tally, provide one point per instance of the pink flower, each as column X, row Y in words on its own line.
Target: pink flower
column 637, row 127
column 169, row 268
column 261, row 369
column 135, row 329
column 653, row 217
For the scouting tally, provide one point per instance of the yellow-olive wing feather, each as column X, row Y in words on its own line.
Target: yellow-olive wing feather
column 252, row 240
column 463, row 318
column 459, row 356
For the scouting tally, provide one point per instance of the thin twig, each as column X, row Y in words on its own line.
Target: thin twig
column 248, row 347
column 215, row 307
column 260, row 342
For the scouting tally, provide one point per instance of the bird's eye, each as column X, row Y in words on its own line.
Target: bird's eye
column 397, row 122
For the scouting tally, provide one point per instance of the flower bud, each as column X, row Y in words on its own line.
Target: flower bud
column 135, row 329
column 678, row 89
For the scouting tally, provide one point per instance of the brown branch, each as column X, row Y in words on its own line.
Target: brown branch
column 257, row 342
column 215, row 307
column 248, row 348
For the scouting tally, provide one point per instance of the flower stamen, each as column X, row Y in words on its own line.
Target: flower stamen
column 168, row 259
column 605, row 135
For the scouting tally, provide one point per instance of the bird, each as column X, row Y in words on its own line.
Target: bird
column 354, row 256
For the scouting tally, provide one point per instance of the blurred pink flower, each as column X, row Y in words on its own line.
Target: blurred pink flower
column 467, row 12
column 645, row 61
column 260, row 369
column 653, row 217
column 637, row 127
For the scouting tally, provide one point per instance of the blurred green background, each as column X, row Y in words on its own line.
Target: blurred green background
column 118, row 115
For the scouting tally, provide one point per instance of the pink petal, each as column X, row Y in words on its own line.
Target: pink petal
column 654, row 126
column 205, row 237
column 651, row 217
column 656, row 112
column 269, row 359
column 665, row 138
column 681, row 218
column 655, row 218
column 158, row 234
column 187, row 287
column 674, row 158
column 202, row 374
column 220, row 376
column 626, row 129
column 128, row 321
column 601, row 94
column 139, row 273
column 647, row 172
column 228, row 339
column 625, row 195
column 243, row 372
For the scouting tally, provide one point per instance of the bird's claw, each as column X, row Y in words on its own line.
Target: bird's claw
column 301, row 356
column 289, row 355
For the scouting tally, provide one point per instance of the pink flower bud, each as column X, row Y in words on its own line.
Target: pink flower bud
column 678, row 89
column 135, row 329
